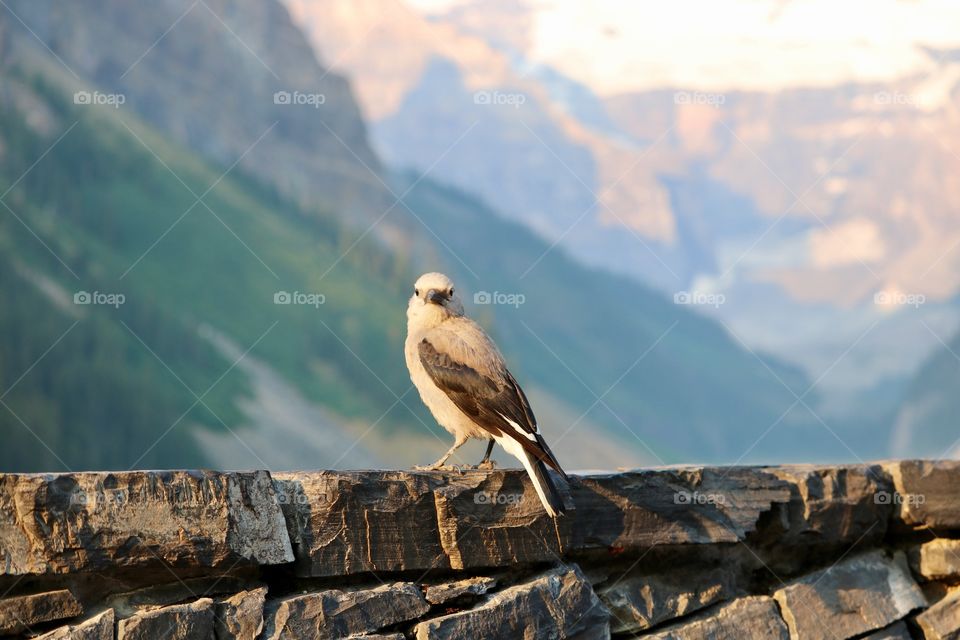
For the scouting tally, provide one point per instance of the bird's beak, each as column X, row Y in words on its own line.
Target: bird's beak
column 436, row 297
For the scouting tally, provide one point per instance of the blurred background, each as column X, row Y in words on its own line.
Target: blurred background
column 720, row 232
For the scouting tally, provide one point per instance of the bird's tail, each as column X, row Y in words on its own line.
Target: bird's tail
column 545, row 486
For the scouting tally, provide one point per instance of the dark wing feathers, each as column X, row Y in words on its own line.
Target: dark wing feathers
column 490, row 403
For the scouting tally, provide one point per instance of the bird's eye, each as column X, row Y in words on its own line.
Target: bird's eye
column 451, row 291
column 416, row 292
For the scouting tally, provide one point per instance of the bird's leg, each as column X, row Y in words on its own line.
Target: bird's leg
column 441, row 464
column 487, row 463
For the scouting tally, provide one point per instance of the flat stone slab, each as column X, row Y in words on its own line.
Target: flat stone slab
column 858, row 595
column 240, row 617
column 640, row 602
column 937, row 560
column 558, row 604
column 94, row 521
column 752, row 618
column 193, row 621
column 351, row 522
column 99, row 627
column 340, row 614
column 942, row 620
column 447, row 591
column 926, row 492
column 830, row 505
column 20, row 613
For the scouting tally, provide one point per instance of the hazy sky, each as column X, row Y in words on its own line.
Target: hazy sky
column 616, row 45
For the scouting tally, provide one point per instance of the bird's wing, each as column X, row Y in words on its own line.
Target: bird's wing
column 467, row 367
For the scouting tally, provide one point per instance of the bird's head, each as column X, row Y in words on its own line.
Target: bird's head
column 434, row 300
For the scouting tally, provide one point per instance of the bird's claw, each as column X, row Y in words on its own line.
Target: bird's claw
column 487, row 465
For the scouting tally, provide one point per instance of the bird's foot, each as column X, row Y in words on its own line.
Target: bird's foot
column 487, row 465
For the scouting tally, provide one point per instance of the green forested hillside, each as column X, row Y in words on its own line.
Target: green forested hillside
column 98, row 201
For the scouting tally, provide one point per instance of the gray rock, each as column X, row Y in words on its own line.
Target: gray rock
column 557, row 604
column 831, row 505
column 339, row 614
column 193, row 621
column 896, row 631
column 640, row 602
column 178, row 590
column 92, row 521
column 240, row 617
column 926, row 492
column 860, row 594
column 937, row 560
column 942, row 620
column 447, row 591
column 99, row 627
column 350, row 522
column 19, row 613
column 752, row 618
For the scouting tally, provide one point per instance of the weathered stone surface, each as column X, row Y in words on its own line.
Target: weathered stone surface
column 349, row 522
column 640, row 602
column 834, row 504
column 942, row 620
column 240, row 617
column 339, row 614
column 860, row 594
column 99, row 627
column 193, row 621
column 558, row 604
column 752, row 618
column 896, row 631
column 19, row 613
column 926, row 492
column 93, row 521
column 178, row 590
column 447, row 591
column 937, row 560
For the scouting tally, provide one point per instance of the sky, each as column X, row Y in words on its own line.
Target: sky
column 615, row 46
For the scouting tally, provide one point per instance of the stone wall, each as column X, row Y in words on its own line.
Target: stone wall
column 859, row 551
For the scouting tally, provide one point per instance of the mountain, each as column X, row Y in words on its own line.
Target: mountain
column 802, row 207
column 103, row 198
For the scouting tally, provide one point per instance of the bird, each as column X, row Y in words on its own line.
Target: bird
column 463, row 380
